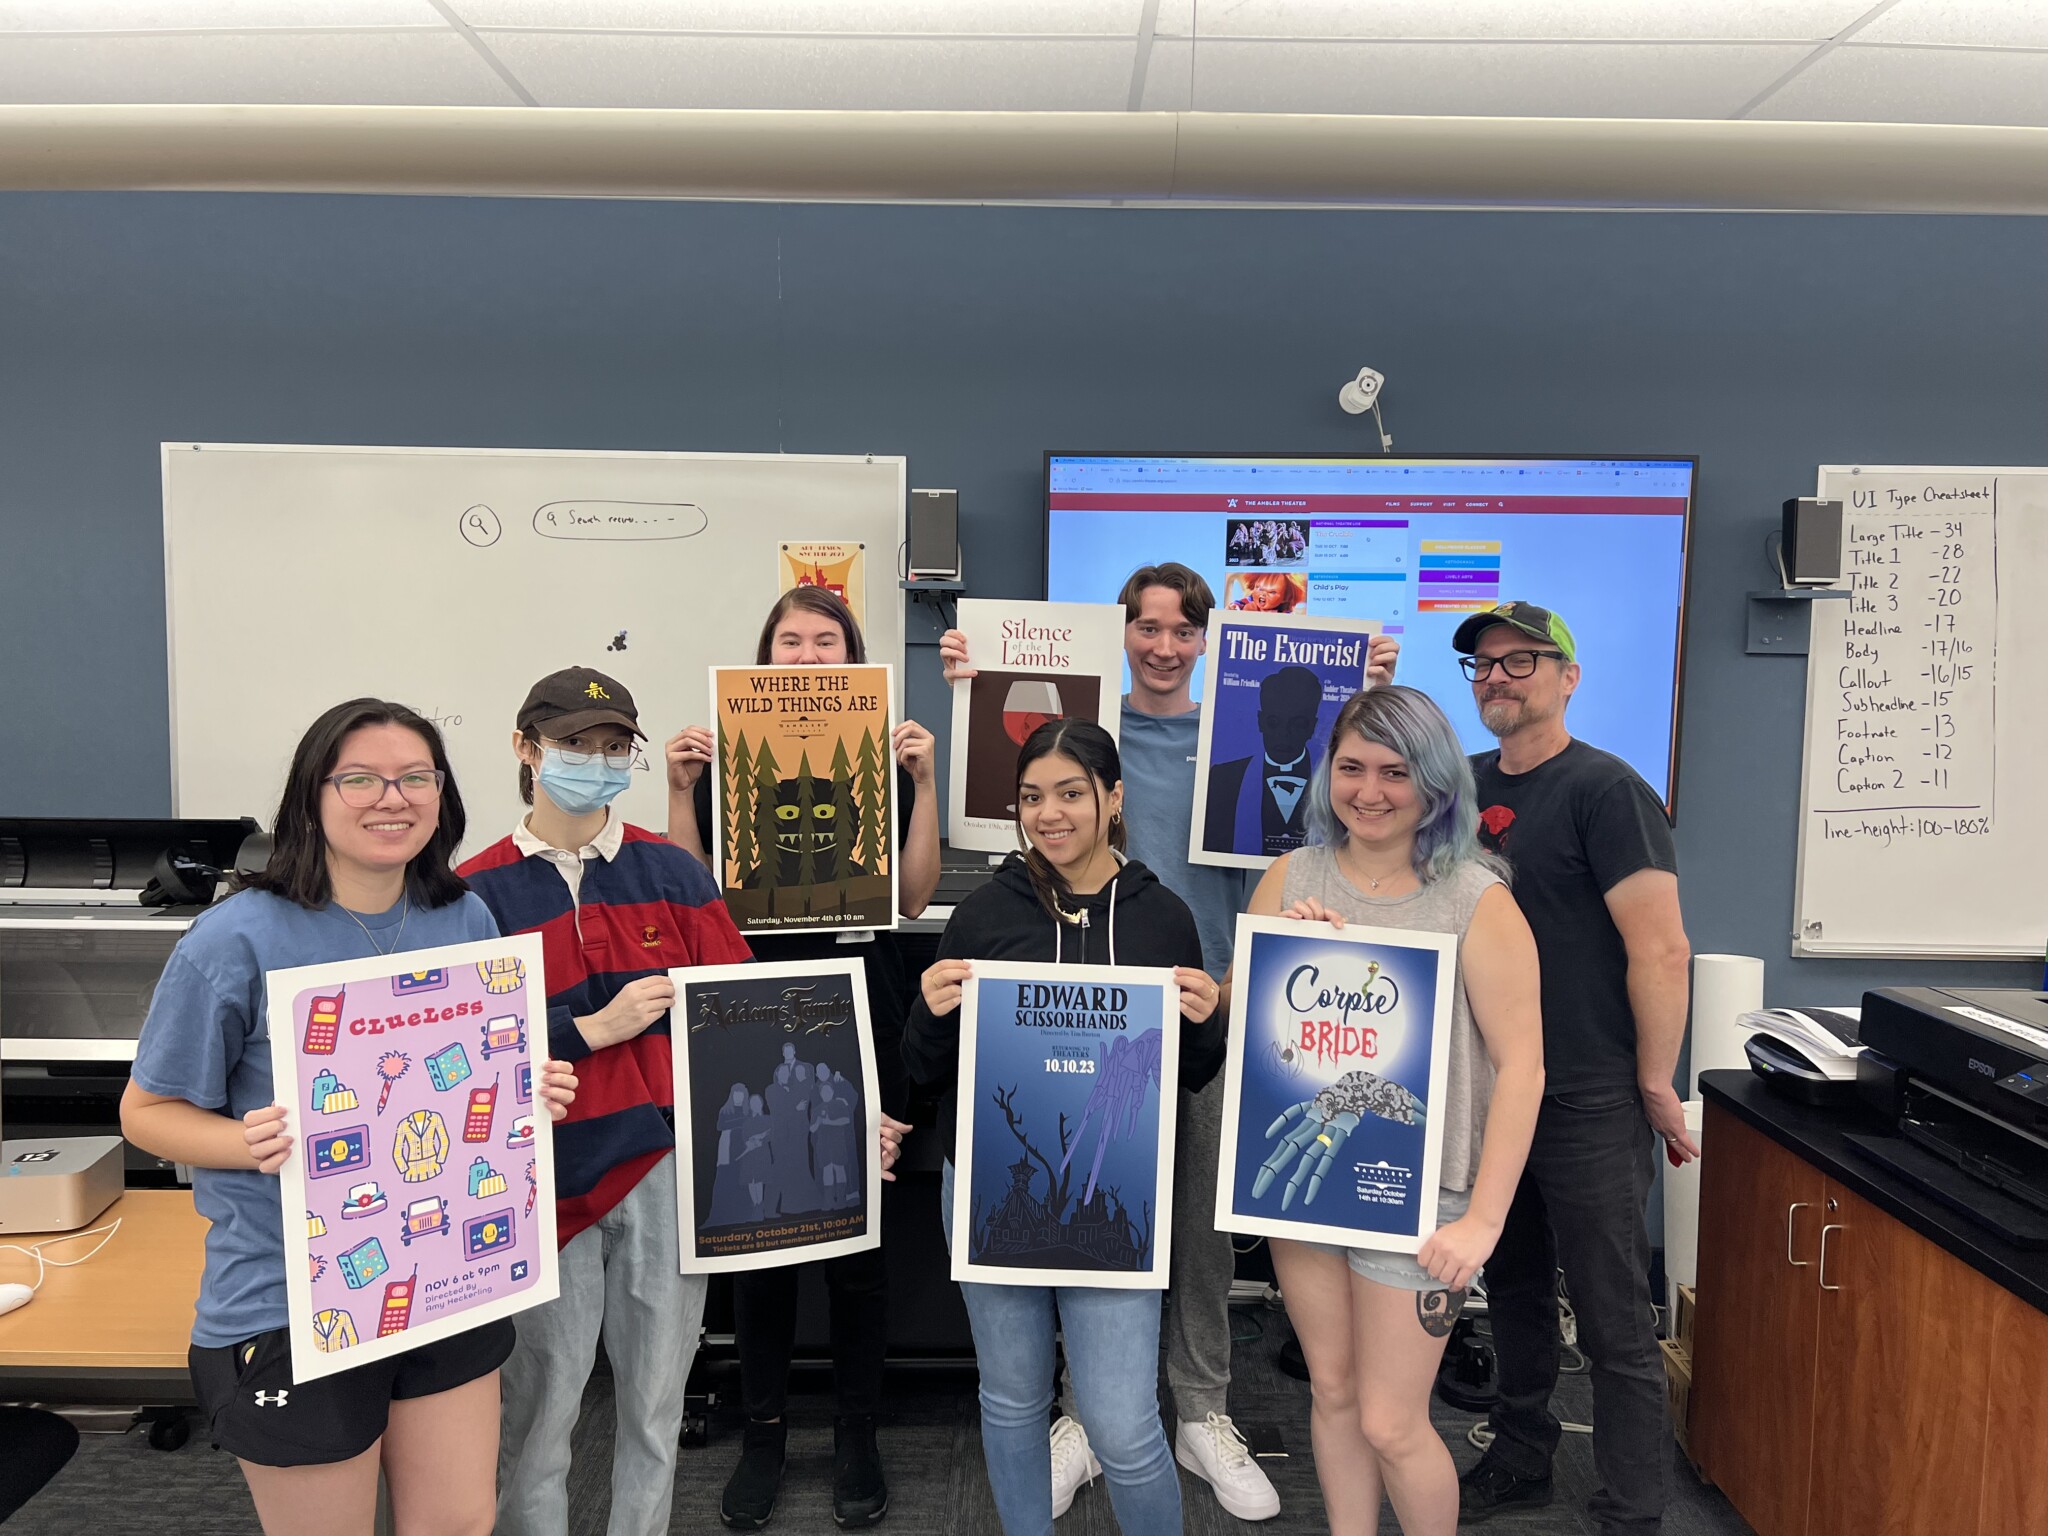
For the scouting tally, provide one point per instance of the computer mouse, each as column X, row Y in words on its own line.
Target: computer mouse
column 12, row 1296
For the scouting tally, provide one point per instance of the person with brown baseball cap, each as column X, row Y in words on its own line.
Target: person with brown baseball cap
column 1596, row 874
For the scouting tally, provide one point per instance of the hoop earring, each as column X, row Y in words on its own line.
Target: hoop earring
column 1115, row 817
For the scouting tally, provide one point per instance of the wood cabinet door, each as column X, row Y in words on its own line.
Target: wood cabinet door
column 2016, row 1421
column 1900, row 1382
column 1753, row 1356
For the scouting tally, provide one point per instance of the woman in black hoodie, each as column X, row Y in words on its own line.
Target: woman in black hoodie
column 1072, row 898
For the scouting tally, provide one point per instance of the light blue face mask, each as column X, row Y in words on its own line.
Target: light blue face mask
column 580, row 788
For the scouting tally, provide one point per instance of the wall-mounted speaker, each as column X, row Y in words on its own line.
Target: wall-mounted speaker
column 1812, row 550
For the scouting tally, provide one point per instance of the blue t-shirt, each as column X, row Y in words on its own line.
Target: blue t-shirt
column 1158, row 753
column 207, row 1040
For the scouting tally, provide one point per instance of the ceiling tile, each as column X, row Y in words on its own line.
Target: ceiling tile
column 210, row 15
column 1854, row 84
column 1487, row 79
column 592, row 69
column 1562, row 20
column 358, row 69
column 1986, row 23
column 1013, row 17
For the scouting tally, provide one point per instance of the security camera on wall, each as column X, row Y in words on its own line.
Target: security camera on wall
column 1362, row 394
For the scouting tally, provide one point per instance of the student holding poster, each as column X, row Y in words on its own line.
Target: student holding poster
column 1072, row 898
column 617, row 908
column 1166, row 611
column 1393, row 844
column 358, row 869
column 809, row 627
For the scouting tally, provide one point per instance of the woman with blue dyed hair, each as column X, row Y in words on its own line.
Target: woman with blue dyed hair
column 1392, row 828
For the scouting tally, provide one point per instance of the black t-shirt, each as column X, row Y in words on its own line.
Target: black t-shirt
column 889, row 979
column 1572, row 829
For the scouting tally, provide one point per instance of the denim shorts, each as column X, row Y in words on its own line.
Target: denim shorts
column 1400, row 1270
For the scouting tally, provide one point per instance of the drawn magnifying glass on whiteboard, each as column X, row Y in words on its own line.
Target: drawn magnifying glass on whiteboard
column 480, row 526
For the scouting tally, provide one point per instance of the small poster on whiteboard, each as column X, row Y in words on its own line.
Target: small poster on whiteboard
column 1033, row 662
column 777, row 1110
column 1276, row 682
column 424, row 1165
column 804, row 797
column 838, row 568
column 1063, row 1171
column 1339, row 1044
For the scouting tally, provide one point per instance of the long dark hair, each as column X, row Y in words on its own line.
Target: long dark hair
column 818, row 600
column 1091, row 746
column 297, row 870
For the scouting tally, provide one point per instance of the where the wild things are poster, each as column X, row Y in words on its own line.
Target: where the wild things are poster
column 776, row 1112
column 1064, row 1164
column 803, row 797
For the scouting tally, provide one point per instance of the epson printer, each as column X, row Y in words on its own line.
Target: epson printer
column 1963, row 1073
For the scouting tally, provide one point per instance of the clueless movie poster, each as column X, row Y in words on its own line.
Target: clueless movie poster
column 1338, row 1044
column 419, row 1197
column 803, row 793
column 776, row 1114
column 1063, row 1174
column 1275, row 685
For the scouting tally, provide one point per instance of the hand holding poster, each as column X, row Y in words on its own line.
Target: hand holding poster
column 1063, row 1173
column 1276, row 682
column 424, row 1164
column 1034, row 662
column 777, row 1112
column 803, row 796
column 1332, row 1090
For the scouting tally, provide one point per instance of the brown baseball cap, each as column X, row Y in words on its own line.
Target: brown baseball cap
column 576, row 698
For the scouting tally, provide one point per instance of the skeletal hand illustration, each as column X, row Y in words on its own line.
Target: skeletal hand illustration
column 1316, row 1129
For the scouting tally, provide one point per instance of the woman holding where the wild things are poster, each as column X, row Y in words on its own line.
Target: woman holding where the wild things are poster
column 1393, row 843
column 1072, row 898
column 811, row 627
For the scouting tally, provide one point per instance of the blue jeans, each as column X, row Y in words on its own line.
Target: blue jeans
column 621, row 1280
column 1113, row 1357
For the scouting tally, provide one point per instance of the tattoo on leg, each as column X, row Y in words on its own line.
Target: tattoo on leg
column 1438, row 1310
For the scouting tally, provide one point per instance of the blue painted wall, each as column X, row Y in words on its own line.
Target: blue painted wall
column 971, row 340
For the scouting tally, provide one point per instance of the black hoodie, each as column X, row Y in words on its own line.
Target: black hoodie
column 1133, row 920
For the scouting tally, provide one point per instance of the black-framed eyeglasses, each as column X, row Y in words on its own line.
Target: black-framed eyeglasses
column 1514, row 663
column 576, row 757
column 360, row 791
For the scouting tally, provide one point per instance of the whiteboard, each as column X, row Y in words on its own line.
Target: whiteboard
column 451, row 579
column 1921, row 829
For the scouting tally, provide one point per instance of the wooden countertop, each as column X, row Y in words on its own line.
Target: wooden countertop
column 128, row 1308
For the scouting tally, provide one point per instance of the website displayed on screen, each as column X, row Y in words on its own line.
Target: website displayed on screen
column 1416, row 544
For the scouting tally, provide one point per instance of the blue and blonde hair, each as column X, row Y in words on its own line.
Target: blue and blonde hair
column 1408, row 723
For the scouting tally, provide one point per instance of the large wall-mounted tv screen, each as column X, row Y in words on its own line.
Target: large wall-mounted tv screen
column 1416, row 543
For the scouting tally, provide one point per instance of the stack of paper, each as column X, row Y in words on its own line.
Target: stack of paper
column 1828, row 1038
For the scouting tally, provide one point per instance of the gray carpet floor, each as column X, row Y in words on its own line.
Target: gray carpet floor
column 117, row 1485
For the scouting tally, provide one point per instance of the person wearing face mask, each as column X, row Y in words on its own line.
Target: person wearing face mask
column 617, row 907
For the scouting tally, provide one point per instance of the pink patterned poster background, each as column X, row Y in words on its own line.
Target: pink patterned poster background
column 419, row 1166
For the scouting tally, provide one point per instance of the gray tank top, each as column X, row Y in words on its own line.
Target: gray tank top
column 1445, row 906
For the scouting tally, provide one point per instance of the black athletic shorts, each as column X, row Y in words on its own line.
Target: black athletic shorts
column 255, row 1410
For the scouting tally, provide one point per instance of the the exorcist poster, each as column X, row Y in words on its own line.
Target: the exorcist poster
column 803, row 797
column 777, row 1112
column 1338, row 1042
column 1276, row 682
column 1063, row 1173
column 1033, row 662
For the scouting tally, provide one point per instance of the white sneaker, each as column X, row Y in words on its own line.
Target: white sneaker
column 1073, row 1464
column 1216, row 1453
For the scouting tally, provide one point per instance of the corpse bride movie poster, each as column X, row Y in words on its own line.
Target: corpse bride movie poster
column 777, row 1112
column 1063, row 1172
column 1338, row 1046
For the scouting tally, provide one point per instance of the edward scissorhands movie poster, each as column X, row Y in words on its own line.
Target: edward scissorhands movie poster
column 1064, row 1166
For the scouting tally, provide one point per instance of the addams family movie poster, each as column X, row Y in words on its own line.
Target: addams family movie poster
column 1034, row 662
column 1063, row 1173
column 805, row 778
column 1338, row 1044
column 776, row 1114
column 1275, row 685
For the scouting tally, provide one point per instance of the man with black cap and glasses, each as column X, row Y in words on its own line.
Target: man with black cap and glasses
column 1595, row 871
